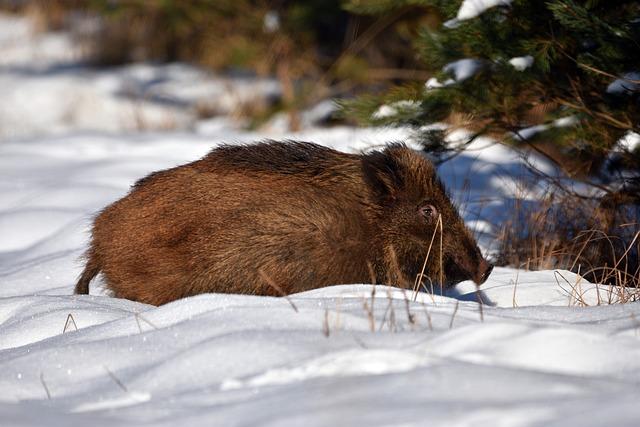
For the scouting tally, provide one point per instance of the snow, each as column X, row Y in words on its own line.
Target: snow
column 629, row 142
column 21, row 46
column 470, row 9
column 530, row 132
column 434, row 83
column 628, row 84
column 545, row 349
column 390, row 110
column 521, row 63
column 280, row 122
column 46, row 90
column 461, row 70
column 136, row 97
column 271, row 21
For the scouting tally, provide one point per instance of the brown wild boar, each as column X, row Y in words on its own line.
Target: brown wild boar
column 279, row 217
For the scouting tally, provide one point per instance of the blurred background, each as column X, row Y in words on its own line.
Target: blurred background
column 263, row 63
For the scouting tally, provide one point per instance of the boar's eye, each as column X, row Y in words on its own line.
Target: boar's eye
column 428, row 211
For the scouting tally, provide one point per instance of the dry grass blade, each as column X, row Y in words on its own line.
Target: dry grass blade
column 480, row 304
column 372, row 322
column 325, row 323
column 441, row 264
column 359, row 342
column 369, row 309
column 578, row 284
column 574, row 293
column 634, row 319
column 453, row 315
column 70, row 321
column 277, row 288
column 410, row 317
column 420, row 276
column 584, row 245
column 426, row 313
column 372, row 273
column 139, row 317
column 515, row 286
column 338, row 321
column 370, row 317
column 599, row 239
column 44, row 385
column 629, row 247
column 390, row 312
column 115, row 379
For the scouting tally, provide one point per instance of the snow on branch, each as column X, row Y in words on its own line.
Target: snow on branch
column 521, row 63
column 470, row 9
column 461, row 70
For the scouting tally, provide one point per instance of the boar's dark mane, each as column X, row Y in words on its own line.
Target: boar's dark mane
column 288, row 158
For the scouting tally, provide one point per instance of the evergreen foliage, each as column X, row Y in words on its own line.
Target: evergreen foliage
column 542, row 74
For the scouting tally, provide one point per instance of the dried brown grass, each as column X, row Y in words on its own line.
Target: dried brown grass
column 598, row 241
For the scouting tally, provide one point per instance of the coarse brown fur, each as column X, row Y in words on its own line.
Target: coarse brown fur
column 291, row 214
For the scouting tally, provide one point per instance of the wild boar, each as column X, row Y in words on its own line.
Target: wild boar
column 281, row 217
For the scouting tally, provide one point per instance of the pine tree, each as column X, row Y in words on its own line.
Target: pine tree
column 560, row 76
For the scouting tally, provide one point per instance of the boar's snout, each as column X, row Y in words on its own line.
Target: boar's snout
column 457, row 271
column 466, row 263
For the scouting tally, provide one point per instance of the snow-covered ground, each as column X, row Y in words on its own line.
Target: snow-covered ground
column 532, row 355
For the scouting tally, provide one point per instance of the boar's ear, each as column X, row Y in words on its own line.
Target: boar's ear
column 382, row 173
